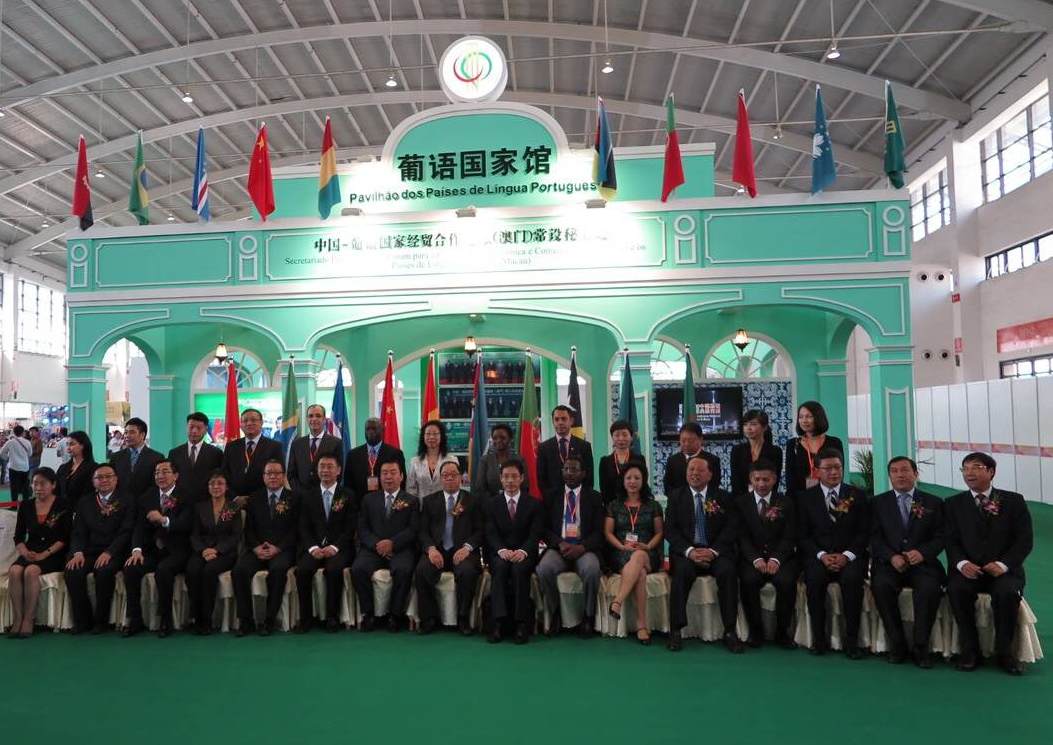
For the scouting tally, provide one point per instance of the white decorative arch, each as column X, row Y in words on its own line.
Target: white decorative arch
column 775, row 344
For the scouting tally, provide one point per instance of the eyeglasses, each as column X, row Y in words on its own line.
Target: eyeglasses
column 974, row 468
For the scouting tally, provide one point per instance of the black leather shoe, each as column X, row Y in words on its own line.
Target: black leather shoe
column 266, row 628
column 393, row 624
column 244, row 628
column 587, row 629
column 785, row 642
column 132, row 629
column 855, row 652
column 1010, row 665
column 464, row 626
column 967, row 662
column 922, row 659
column 368, row 623
column 674, row 643
column 754, row 642
column 332, row 625
column 732, row 643
column 896, row 657
column 99, row 628
column 427, row 627
column 819, row 648
column 495, row 635
column 164, row 630
column 521, row 634
column 555, row 626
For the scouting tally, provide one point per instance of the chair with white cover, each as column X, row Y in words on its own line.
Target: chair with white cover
column 658, row 586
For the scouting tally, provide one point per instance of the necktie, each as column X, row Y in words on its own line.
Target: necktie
column 273, row 501
column 135, row 458
column 447, row 533
column 193, row 455
column 904, row 508
column 314, row 447
column 572, row 501
column 831, row 501
column 512, row 509
column 249, row 447
column 700, row 520
column 327, row 500
column 389, row 502
column 562, row 448
column 762, row 506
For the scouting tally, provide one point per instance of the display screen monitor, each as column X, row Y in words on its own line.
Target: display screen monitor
column 718, row 409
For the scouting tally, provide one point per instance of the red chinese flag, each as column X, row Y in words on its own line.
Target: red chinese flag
column 261, row 184
column 232, row 425
column 387, row 407
column 430, row 410
column 81, row 191
column 742, row 170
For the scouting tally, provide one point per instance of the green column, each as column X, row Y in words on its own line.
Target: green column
column 549, row 396
column 643, row 388
column 833, row 394
column 86, row 385
column 409, row 421
column 162, row 412
column 306, row 372
column 891, row 407
column 594, row 368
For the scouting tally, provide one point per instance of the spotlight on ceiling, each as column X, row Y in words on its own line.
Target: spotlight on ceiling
column 391, row 82
column 834, row 52
column 187, row 98
column 99, row 174
column 607, row 68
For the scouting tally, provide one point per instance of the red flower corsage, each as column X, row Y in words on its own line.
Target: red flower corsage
column 109, row 508
column 917, row 509
column 991, row 506
column 227, row 515
column 773, row 513
column 281, row 506
column 338, row 504
column 712, row 507
column 844, row 505
column 458, row 509
column 52, row 521
column 400, row 504
column 169, row 503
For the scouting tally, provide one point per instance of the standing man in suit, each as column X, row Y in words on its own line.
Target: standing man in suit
column 675, row 477
column 701, row 525
column 906, row 540
column 305, row 451
column 362, row 468
column 835, row 534
column 160, row 544
column 195, row 460
column 388, row 529
column 244, row 459
column 271, row 523
column 451, row 534
column 102, row 530
column 573, row 534
column 767, row 552
column 554, row 451
column 513, row 528
column 989, row 535
column 328, row 515
column 136, row 462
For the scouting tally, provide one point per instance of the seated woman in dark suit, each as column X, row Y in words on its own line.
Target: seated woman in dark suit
column 214, row 549
column 74, row 476
column 41, row 535
column 613, row 466
column 634, row 531
column 802, row 465
column 758, row 446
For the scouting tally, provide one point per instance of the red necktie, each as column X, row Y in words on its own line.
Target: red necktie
column 512, row 509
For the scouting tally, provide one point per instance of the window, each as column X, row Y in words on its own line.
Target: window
column 1018, row 151
column 757, row 360
column 251, row 372
column 1015, row 258
column 41, row 320
column 1028, row 367
column 326, row 377
column 930, row 205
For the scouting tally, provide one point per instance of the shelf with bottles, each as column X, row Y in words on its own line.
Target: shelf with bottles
column 501, row 367
column 456, row 403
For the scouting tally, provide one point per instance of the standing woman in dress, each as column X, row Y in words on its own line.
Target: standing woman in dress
column 612, row 467
column 802, row 462
column 487, row 479
column 42, row 533
column 74, row 476
column 758, row 446
column 423, row 478
column 634, row 530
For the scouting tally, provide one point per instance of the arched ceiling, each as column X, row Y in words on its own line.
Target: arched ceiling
column 107, row 68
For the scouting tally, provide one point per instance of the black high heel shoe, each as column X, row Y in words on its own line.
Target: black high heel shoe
column 614, row 614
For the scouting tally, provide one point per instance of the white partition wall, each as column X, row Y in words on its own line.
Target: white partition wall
column 1045, row 435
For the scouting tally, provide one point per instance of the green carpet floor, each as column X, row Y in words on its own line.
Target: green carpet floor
column 446, row 689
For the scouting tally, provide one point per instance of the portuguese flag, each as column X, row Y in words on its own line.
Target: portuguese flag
column 673, row 172
column 529, row 427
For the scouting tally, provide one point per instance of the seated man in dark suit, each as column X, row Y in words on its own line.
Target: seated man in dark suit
column 907, row 538
column 244, row 458
column 195, row 460
column 451, row 535
column 272, row 519
column 767, row 553
column 388, row 528
column 305, row 451
column 552, row 453
column 701, row 526
column 513, row 529
column 160, row 544
column 102, row 530
column 573, row 534
column 135, row 463
column 362, row 467
column 675, row 476
column 328, row 518
column 989, row 535
column 834, row 536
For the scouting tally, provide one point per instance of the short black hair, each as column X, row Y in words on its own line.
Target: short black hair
column 46, row 472
column 693, row 427
column 763, row 464
column 274, row 460
column 451, row 462
column 217, row 474
column 822, row 422
column 826, row 453
column 329, row 456
column 100, row 466
column 316, row 406
column 562, row 407
column 170, row 462
column 251, row 410
column 389, row 462
column 197, row 416
column 574, row 457
column 983, row 459
column 515, row 463
column 901, row 459
column 138, row 424
column 621, row 424
column 19, row 430
column 505, row 427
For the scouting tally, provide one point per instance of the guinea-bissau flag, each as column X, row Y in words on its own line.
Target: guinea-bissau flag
column 328, row 182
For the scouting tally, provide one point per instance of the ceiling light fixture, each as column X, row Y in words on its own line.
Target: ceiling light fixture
column 778, row 132
column 99, row 174
column 2, row 114
column 834, row 53
column 391, row 82
column 221, row 353
column 171, row 217
column 187, row 98
column 741, row 339
column 607, row 68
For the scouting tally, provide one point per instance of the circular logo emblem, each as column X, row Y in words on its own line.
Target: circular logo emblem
column 473, row 69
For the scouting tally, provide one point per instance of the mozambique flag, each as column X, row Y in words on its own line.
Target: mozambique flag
column 139, row 197
column 328, row 182
column 673, row 171
column 895, row 167
column 603, row 175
